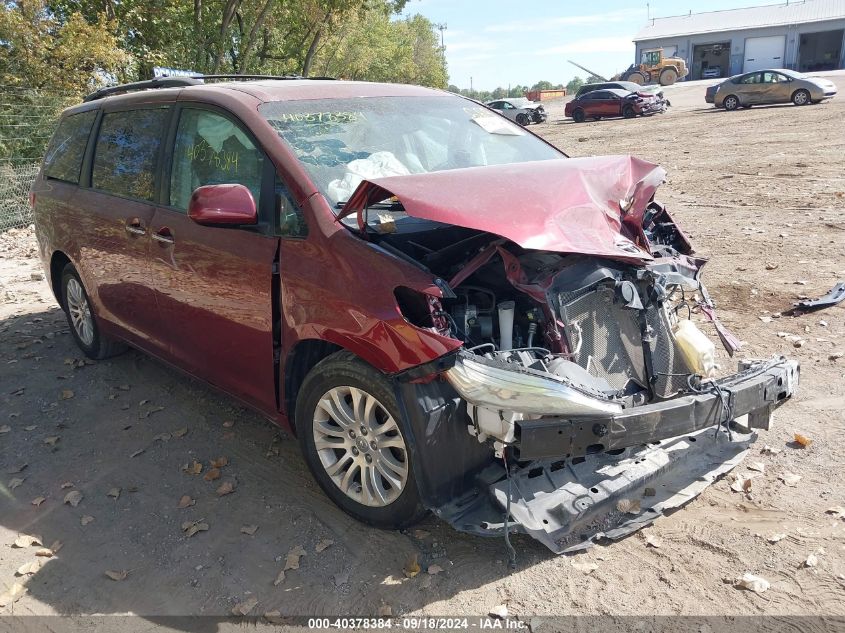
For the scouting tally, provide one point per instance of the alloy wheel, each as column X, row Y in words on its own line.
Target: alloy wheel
column 360, row 446
column 80, row 312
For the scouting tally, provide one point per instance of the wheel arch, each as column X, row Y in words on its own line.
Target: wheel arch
column 58, row 261
column 300, row 360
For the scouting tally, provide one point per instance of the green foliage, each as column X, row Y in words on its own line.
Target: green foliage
column 574, row 84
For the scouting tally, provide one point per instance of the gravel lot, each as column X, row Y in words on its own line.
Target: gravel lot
column 762, row 191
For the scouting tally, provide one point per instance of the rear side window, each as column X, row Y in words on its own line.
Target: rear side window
column 126, row 152
column 63, row 160
column 212, row 150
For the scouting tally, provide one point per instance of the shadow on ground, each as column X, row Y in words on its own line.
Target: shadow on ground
column 117, row 429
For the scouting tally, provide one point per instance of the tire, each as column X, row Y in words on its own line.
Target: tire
column 637, row 77
column 668, row 76
column 82, row 321
column 578, row 116
column 523, row 119
column 628, row 112
column 801, row 97
column 325, row 414
column 731, row 102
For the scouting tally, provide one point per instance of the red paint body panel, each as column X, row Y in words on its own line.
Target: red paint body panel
column 569, row 206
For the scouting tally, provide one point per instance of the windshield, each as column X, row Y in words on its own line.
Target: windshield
column 341, row 142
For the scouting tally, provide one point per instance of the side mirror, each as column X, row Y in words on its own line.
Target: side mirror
column 229, row 205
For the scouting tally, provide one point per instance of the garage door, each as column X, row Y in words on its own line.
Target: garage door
column 763, row 52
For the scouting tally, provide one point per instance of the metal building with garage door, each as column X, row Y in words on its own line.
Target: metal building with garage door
column 804, row 35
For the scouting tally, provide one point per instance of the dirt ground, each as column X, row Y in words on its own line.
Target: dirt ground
column 760, row 190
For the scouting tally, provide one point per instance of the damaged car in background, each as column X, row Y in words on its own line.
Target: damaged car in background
column 449, row 313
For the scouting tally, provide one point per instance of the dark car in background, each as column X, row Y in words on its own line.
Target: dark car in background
column 609, row 103
column 630, row 86
column 448, row 312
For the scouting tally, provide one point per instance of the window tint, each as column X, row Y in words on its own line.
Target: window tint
column 211, row 150
column 63, row 159
column 126, row 152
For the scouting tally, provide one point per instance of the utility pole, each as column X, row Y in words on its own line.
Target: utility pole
column 471, row 91
column 441, row 27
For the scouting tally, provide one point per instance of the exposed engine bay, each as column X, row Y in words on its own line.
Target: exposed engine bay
column 580, row 355
column 611, row 335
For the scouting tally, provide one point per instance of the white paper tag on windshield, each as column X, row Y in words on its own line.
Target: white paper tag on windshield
column 498, row 125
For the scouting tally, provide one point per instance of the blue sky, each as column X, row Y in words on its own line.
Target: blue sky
column 501, row 42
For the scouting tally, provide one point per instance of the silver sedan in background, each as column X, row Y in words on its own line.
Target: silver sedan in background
column 769, row 86
column 519, row 109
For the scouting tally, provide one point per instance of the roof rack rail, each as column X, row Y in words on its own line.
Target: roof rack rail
column 158, row 82
column 181, row 82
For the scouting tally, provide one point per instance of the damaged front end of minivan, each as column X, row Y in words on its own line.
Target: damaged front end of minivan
column 583, row 371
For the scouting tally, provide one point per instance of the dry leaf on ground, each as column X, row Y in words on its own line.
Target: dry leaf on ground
column 180, row 432
column 242, row 608
column 421, row 534
column 113, row 493
column 412, row 567
column 86, row 519
column 220, row 462
column 185, row 502
column 138, row 452
column 790, row 479
column 73, row 498
column 13, row 594
column 162, row 437
column 194, row 468
column 499, row 611
column 752, row 583
column 760, row 467
column 292, row 560
column 802, row 440
column 653, row 541
column 66, row 485
column 66, row 394
column 249, row 529
column 27, row 569
column 38, row 501
column 5, row 428
column 280, row 578
column 227, row 487
column 323, row 544
column 117, row 575
column 212, row 474
column 192, row 527
column 433, row 570
column 30, row 427
column 51, row 441
column 15, row 482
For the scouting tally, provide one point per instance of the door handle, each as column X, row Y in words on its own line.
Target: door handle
column 134, row 227
column 163, row 236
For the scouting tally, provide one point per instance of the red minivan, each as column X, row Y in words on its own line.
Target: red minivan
column 449, row 313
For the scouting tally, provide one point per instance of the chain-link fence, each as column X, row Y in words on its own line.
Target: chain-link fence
column 27, row 120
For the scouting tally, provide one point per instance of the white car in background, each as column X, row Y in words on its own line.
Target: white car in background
column 519, row 109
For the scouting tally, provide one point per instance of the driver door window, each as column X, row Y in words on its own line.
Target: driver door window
column 211, row 150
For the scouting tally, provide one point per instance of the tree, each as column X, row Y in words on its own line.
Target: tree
column 574, row 84
column 543, row 85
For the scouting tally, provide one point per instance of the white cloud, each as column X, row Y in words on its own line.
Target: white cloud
column 635, row 16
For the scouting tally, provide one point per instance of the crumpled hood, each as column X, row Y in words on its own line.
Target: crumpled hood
column 569, row 205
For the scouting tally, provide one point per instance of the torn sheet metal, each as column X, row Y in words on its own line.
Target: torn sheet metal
column 830, row 299
column 573, row 205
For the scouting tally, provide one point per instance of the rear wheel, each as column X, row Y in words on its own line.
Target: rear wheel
column 578, row 116
column 80, row 317
column 801, row 97
column 637, row 77
column 731, row 102
column 668, row 76
column 355, row 442
column 522, row 119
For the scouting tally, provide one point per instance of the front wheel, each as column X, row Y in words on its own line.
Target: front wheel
column 629, row 112
column 355, row 442
column 668, row 76
column 80, row 317
column 801, row 97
